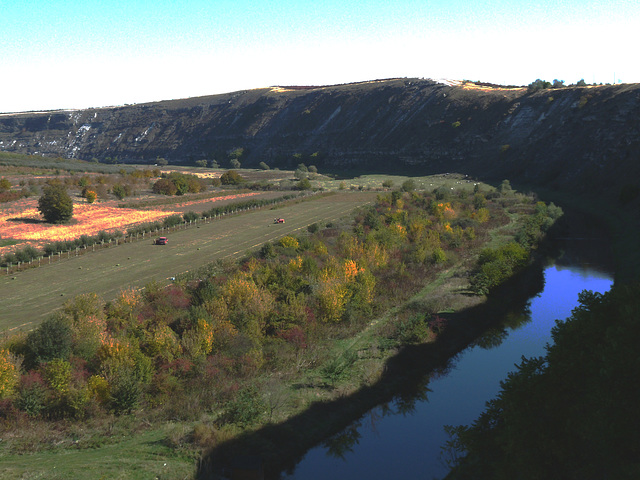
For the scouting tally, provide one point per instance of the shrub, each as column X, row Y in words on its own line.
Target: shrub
column 91, row 196
column 303, row 184
column 32, row 394
column 9, row 373
column 55, row 204
column 190, row 217
column 4, row 184
column 408, row 186
column 231, row 177
column 119, row 191
column 172, row 221
column 246, row 409
column 164, row 186
column 289, row 242
column 51, row 340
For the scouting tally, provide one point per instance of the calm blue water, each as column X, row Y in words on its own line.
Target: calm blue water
column 409, row 446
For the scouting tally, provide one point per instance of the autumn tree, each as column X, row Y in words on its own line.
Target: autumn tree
column 231, row 177
column 55, row 204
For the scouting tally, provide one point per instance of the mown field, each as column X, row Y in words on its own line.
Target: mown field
column 29, row 296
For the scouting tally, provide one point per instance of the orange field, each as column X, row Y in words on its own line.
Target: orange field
column 22, row 221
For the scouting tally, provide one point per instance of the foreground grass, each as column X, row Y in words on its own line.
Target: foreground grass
column 127, row 454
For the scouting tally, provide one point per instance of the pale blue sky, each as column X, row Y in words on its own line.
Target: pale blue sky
column 73, row 54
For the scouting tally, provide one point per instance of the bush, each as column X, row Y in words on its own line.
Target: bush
column 164, row 186
column 55, row 204
column 27, row 254
column 190, row 217
column 91, row 196
column 231, row 177
column 246, row 409
column 51, row 340
column 172, row 221
column 120, row 191
column 303, row 184
column 408, row 186
column 5, row 185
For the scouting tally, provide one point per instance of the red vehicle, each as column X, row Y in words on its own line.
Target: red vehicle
column 161, row 241
column 278, row 220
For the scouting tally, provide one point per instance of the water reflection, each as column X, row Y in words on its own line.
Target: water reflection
column 403, row 438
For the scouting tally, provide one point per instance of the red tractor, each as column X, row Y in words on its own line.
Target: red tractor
column 161, row 241
column 278, row 220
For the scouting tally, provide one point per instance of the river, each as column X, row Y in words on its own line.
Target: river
column 394, row 441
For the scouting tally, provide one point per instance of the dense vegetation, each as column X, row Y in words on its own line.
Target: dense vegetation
column 570, row 414
column 224, row 340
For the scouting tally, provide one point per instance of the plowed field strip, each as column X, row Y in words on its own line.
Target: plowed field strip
column 26, row 298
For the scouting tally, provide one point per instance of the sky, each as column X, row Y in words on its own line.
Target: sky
column 78, row 54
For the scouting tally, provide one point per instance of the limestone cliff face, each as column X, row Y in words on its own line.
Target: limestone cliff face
column 581, row 136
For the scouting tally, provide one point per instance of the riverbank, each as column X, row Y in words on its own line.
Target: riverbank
column 401, row 374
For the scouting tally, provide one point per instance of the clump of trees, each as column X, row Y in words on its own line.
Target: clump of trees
column 176, row 183
column 495, row 265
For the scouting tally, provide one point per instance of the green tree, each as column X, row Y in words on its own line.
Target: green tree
column 408, row 185
column 304, row 184
column 201, row 163
column 235, row 163
column 55, row 204
column 505, row 187
column 231, row 177
column 263, row 166
column 119, row 191
column 52, row 339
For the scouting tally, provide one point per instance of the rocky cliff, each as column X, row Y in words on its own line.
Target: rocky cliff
column 583, row 137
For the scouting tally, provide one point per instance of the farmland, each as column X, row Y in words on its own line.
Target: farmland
column 29, row 296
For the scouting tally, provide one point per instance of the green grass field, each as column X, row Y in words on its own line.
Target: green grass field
column 29, row 296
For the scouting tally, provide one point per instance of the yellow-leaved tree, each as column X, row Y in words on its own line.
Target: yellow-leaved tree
column 9, row 373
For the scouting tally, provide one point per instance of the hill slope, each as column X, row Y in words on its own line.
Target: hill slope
column 582, row 137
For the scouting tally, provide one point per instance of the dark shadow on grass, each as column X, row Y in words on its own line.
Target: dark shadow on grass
column 28, row 221
column 405, row 381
